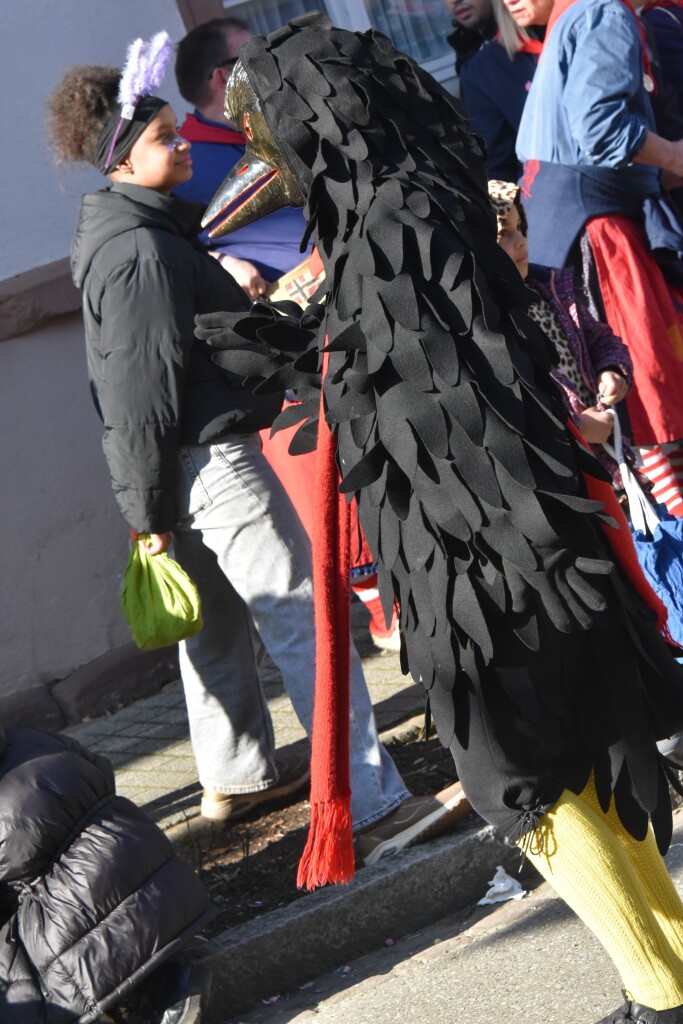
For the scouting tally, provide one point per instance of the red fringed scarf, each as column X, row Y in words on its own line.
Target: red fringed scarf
column 328, row 856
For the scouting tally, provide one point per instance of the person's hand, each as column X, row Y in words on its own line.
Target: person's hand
column 667, row 154
column 244, row 272
column 612, row 387
column 155, row 543
column 596, row 426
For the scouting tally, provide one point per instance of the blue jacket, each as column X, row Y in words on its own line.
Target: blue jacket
column 272, row 243
column 494, row 89
column 586, row 116
column 587, row 105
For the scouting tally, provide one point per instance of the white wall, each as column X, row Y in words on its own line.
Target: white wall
column 39, row 39
column 63, row 543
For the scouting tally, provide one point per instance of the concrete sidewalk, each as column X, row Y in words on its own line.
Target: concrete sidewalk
column 149, row 746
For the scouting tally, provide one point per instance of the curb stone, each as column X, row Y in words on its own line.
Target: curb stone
column 450, row 971
column 295, row 944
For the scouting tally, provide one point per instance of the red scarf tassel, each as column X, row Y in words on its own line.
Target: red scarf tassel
column 328, row 856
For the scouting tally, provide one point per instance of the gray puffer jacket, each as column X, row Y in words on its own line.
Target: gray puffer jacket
column 92, row 896
column 144, row 277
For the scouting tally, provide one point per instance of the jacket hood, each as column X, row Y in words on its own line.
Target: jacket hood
column 121, row 208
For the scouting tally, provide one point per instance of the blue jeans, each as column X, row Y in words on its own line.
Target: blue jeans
column 239, row 538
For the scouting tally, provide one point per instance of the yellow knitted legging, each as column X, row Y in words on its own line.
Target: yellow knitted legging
column 620, row 889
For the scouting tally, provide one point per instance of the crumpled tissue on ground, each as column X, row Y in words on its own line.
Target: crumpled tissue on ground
column 502, row 888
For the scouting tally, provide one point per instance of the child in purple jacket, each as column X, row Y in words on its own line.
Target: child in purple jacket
column 594, row 368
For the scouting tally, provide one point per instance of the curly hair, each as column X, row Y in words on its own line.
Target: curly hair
column 78, row 107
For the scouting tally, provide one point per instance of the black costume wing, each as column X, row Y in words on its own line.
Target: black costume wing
column 276, row 349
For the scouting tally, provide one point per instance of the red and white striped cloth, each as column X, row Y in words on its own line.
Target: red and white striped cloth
column 663, row 466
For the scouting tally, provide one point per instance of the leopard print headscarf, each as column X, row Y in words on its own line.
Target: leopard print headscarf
column 504, row 195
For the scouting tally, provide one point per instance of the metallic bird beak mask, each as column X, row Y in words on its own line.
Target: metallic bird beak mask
column 262, row 181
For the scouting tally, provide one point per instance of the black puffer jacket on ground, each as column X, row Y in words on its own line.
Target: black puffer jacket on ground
column 144, row 276
column 92, row 896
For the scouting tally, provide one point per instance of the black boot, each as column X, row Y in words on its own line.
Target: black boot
column 634, row 1013
column 620, row 1016
column 644, row 1015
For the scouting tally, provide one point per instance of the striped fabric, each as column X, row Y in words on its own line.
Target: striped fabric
column 663, row 466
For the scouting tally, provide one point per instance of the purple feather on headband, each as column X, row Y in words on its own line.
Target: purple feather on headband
column 144, row 69
column 141, row 75
column 130, row 86
column 160, row 49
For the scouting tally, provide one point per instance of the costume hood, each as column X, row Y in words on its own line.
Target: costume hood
column 316, row 87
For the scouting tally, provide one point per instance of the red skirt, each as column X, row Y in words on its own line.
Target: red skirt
column 647, row 314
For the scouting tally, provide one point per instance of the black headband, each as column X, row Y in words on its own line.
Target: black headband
column 123, row 133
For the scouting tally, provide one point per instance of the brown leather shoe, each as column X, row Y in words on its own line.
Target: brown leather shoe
column 294, row 771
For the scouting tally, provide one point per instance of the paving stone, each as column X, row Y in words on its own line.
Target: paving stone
column 115, row 678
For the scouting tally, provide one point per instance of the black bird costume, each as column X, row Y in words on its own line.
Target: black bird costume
column 542, row 663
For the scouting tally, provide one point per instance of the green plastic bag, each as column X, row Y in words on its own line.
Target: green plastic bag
column 159, row 600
